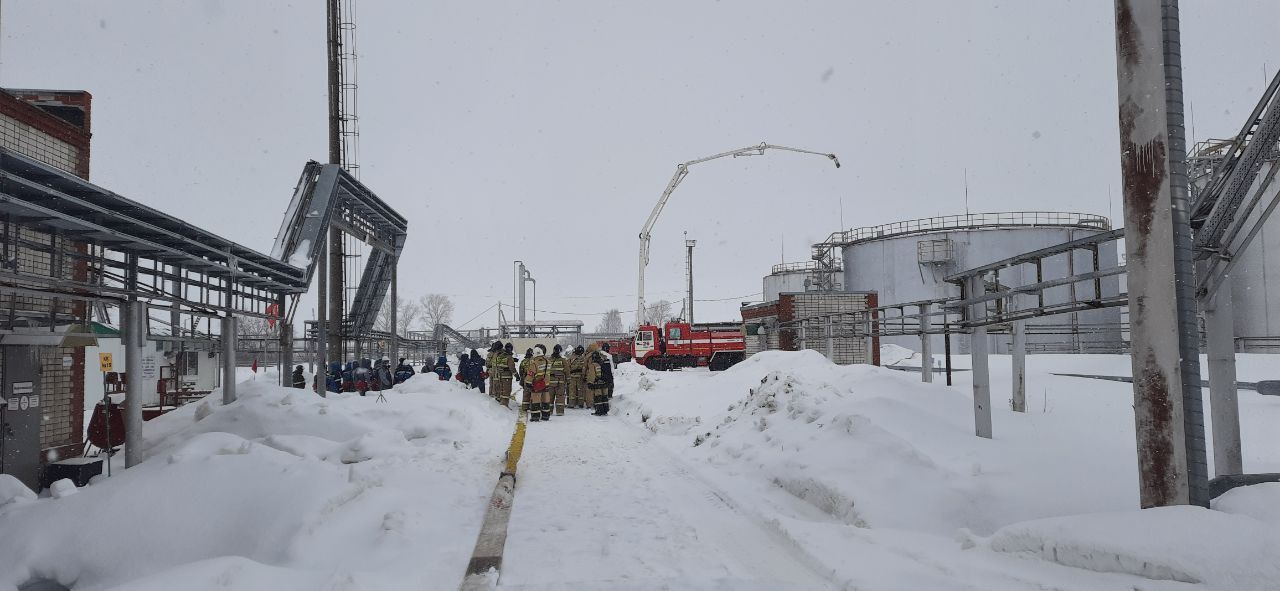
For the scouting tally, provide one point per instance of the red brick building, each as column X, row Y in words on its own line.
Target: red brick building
column 52, row 126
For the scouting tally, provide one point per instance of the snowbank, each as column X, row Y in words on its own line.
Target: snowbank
column 894, row 464
column 1187, row 544
column 280, row 490
column 873, row 446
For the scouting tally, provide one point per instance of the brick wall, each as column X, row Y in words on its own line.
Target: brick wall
column 52, row 127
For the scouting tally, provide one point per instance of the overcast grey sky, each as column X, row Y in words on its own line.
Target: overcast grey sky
column 546, row 131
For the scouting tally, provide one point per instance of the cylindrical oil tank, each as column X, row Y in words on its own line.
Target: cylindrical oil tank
column 907, row 261
column 793, row 278
column 1255, row 290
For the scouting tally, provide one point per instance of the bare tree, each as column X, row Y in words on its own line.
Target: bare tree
column 611, row 322
column 253, row 326
column 437, row 308
column 407, row 313
column 658, row 313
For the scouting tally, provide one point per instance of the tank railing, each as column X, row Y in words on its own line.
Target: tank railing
column 970, row 221
column 801, row 266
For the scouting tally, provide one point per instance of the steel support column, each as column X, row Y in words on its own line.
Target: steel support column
column 394, row 345
column 228, row 359
column 1224, row 408
column 978, row 354
column 1167, row 405
column 926, row 346
column 135, row 336
column 322, row 322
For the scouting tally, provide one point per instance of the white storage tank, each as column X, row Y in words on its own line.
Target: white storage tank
column 794, row 278
column 1255, row 290
column 906, row 262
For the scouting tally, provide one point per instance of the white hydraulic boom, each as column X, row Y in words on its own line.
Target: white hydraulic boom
column 681, row 171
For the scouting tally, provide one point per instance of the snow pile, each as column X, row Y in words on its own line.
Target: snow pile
column 1186, row 544
column 280, row 490
column 839, row 457
column 891, row 354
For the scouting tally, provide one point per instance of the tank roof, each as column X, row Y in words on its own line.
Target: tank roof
column 969, row 221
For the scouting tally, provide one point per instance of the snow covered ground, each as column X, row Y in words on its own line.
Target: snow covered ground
column 280, row 490
column 879, row 478
column 785, row 472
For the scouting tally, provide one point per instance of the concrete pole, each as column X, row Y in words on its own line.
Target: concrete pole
column 1224, row 408
column 135, row 336
column 978, row 353
column 1168, row 412
column 926, row 346
column 1019, row 354
column 228, row 359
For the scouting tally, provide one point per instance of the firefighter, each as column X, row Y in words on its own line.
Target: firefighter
column 503, row 369
column 491, row 365
column 525, row 389
column 597, row 382
column 537, row 376
column 577, row 364
column 557, row 379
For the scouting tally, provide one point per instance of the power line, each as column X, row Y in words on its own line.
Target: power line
column 473, row 318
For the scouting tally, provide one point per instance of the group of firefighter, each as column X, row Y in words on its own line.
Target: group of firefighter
column 581, row 379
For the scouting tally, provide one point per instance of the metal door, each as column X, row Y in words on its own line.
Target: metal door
column 20, row 433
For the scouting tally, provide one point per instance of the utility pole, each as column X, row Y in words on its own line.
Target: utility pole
column 1168, row 412
column 337, row 257
column 688, row 245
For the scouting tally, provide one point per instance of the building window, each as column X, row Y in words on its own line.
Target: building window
column 189, row 363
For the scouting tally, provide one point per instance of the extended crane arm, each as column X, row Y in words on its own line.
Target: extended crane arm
column 682, row 170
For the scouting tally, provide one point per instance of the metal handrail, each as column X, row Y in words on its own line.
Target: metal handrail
column 801, row 266
column 969, row 221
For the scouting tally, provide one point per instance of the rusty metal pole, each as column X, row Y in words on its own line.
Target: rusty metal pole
column 1165, row 341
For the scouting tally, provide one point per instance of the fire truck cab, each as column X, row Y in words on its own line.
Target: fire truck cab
column 680, row 344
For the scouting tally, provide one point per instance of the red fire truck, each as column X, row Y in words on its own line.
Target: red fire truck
column 680, row 344
column 621, row 348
